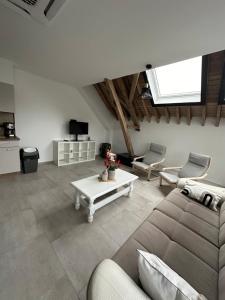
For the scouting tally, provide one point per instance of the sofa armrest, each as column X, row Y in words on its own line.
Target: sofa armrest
column 110, row 282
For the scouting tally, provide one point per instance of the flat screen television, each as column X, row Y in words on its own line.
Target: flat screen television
column 77, row 128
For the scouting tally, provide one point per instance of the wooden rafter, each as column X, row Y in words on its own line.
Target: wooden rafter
column 218, row 115
column 129, row 104
column 178, row 115
column 167, row 114
column 128, row 93
column 204, row 112
column 120, row 114
column 104, row 99
column 188, row 112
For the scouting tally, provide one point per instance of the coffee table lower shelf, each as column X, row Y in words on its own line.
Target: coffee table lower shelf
column 94, row 204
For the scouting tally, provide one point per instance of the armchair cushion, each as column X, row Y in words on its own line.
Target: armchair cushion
column 196, row 166
column 171, row 178
column 140, row 165
column 155, row 154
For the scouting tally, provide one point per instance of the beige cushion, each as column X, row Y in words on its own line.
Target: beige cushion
column 193, row 207
column 222, row 235
column 160, row 281
column 110, row 282
column 202, row 195
column 222, row 257
column 187, row 238
column 140, row 165
column 172, row 178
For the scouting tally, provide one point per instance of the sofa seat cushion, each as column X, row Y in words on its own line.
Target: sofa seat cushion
column 193, row 207
column 222, row 214
column 197, row 273
column 222, row 257
column 187, row 238
column 222, row 235
column 198, row 225
column 147, row 238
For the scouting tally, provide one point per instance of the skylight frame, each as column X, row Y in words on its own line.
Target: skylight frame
column 187, row 96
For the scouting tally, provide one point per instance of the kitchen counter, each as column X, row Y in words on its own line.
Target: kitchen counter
column 3, row 138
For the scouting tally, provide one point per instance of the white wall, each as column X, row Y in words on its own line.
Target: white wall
column 6, row 71
column 180, row 140
column 43, row 109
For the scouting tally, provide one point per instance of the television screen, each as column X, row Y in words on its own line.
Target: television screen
column 78, row 127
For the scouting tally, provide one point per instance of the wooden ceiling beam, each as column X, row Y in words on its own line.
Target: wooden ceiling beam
column 157, row 114
column 120, row 114
column 218, row 115
column 129, row 104
column 178, row 115
column 167, row 114
column 104, row 99
column 188, row 112
column 133, row 87
column 204, row 114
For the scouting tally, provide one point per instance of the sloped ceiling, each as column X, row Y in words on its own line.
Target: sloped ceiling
column 93, row 39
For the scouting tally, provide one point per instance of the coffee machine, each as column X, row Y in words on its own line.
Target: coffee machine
column 9, row 129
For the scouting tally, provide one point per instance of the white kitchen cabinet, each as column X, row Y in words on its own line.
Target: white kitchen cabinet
column 9, row 157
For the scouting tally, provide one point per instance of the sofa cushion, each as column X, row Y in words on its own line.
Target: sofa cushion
column 221, row 285
column 222, row 257
column 182, row 235
column 109, row 281
column 222, row 214
column 147, row 238
column 161, row 282
column 198, row 225
column 191, row 206
column 197, row 273
column 222, row 235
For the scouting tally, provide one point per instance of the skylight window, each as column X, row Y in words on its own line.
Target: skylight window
column 177, row 83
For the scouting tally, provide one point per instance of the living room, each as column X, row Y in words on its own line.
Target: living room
column 111, row 150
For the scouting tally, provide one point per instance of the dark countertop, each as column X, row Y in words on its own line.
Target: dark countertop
column 3, row 138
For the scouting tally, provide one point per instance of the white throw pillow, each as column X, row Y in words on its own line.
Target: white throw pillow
column 160, row 282
column 202, row 195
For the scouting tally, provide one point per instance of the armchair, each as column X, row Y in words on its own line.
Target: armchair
column 195, row 169
column 151, row 160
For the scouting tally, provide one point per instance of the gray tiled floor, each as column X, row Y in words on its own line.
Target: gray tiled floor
column 47, row 249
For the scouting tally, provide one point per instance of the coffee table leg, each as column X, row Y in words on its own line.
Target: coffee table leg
column 131, row 189
column 91, row 211
column 77, row 200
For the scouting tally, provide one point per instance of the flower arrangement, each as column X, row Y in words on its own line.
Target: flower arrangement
column 111, row 162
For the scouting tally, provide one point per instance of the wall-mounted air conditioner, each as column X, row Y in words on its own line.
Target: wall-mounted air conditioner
column 40, row 10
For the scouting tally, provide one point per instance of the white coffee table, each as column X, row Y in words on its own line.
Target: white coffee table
column 88, row 191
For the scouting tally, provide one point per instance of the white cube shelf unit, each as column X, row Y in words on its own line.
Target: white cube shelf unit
column 66, row 153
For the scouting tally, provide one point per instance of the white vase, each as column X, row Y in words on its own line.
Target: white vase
column 105, row 175
column 112, row 174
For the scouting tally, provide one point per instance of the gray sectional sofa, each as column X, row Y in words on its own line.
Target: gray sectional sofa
column 188, row 237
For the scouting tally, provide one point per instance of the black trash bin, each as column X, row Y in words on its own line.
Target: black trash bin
column 29, row 160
